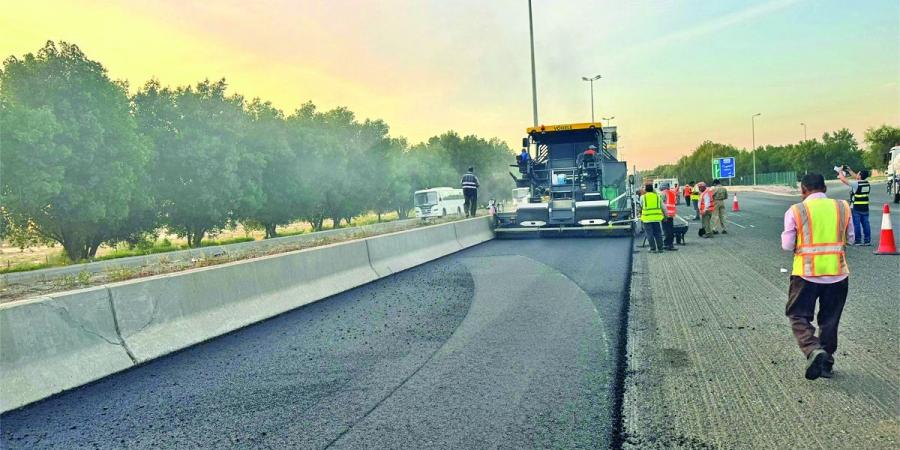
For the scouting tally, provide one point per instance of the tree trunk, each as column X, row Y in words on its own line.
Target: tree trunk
column 195, row 238
column 270, row 230
column 379, row 216
column 76, row 249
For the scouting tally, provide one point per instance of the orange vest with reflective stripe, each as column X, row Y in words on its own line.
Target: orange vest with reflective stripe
column 670, row 202
column 708, row 193
column 821, row 236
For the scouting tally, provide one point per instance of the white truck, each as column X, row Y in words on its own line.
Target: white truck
column 893, row 173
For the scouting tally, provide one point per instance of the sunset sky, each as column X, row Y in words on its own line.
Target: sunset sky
column 675, row 73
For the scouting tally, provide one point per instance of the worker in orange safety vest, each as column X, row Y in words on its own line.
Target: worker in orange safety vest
column 670, row 197
column 706, row 208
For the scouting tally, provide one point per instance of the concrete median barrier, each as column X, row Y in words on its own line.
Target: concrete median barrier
column 395, row 252
column 473, row 231
column 162, row 314
column 61, row 341
column 58, row 342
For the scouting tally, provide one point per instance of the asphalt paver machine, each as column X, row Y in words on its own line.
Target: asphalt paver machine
column 572, row 192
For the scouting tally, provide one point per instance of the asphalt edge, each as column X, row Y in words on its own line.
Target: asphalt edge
column 618, row 432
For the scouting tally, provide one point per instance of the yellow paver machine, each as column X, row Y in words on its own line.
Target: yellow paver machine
column 576, row 185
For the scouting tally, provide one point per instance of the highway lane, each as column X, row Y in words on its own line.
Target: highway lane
column 507, row 344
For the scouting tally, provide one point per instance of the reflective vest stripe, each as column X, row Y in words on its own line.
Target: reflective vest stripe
column 861, row 196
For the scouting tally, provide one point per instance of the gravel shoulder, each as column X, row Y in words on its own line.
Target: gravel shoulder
column 712, row 362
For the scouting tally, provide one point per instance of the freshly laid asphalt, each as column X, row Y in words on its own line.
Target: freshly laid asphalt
column 507, row 344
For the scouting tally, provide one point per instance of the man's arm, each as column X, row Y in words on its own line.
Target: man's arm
column 789, row 235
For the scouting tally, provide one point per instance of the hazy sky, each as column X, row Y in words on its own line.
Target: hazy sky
column 675, row 73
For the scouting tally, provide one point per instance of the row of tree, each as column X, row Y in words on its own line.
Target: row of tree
column 84, row 163
column 813, row 155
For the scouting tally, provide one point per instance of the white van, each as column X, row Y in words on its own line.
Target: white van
column 439, row 202
column 520, row 196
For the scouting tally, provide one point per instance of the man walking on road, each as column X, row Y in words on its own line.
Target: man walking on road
column 651, row 217
column 720, row 195
column 817, row 230
column 859, row 198
column 470, row 191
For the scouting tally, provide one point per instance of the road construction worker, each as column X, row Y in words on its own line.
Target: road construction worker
column 651, row 217
column 706, row 208
column 668, row 223
column 695, row 199
column 859, row 198
column 522, row 160
column 720, row 195
column 688, row 188
column 817, row 231
column 470, row 185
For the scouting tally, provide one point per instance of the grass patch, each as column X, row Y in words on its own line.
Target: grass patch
column 293, row 233
column 213, row 243
column 24, row 267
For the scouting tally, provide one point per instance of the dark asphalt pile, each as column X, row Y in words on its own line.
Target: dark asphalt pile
column 508, row 344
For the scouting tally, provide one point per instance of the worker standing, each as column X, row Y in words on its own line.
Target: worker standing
column 859, row 198
column 695, row 199
column 670, row 197
column 688, row 188
column 817, row 231
column 720, row 195
column 651, row 217
column 470, row 191
column 706, row 208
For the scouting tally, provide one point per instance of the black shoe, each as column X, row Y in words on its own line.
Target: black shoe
column 867, row 244
column 670, row 249
column 827, row 370
column 715, row 232
column 724, row 232
column 815, row 364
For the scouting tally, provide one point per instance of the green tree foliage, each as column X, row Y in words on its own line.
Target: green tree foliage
column 72, row 155
column 201, row 175
column 839, row 147
column 83, row 164
column 880, row 141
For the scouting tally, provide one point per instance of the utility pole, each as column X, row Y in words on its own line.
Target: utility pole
column 804, row 130
column 591, row 80
column 753, row 134
column 533, row 80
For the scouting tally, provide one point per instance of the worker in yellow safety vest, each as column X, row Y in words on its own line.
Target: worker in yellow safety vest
column 651, row 217
column 817, row 230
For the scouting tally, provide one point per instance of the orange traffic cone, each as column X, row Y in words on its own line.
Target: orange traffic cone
column 886, row 246
column 734, row 204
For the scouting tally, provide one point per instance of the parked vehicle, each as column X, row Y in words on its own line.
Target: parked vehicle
column 438, row 202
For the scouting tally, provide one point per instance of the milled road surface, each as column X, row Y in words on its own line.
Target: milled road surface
column 508, row 344
column 712, row 362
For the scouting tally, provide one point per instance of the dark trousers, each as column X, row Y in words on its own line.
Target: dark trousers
column 668, row 227
column 471, row 196
column 861, row 228
column 687, row 200
column 654, row 235
column 801, row 307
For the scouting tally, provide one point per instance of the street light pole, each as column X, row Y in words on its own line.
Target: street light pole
column 804, row 130
column 533, row 80
column 591, row 80
column 607, row 119
column 753, row 134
